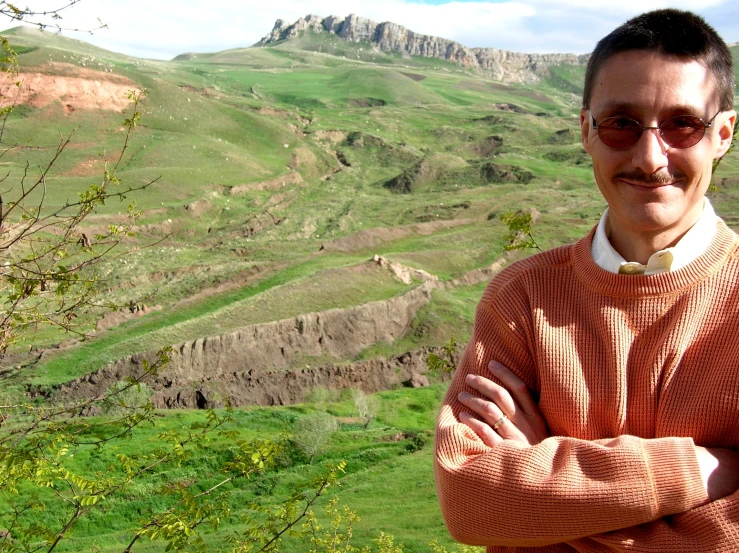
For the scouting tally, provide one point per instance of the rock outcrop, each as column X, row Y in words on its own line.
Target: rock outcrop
column 240, row 358
column 251, row 365
column 501, row 65
column 403, row 273
column 291, row 386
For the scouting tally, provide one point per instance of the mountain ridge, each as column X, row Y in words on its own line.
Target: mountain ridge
column 502, row 65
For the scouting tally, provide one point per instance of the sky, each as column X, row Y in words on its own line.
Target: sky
column 162, row 29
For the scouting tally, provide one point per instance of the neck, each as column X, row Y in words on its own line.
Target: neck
column 639, row 244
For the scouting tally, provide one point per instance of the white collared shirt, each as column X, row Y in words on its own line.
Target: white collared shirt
column 694, row 243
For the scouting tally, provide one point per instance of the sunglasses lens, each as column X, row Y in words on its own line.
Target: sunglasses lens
column 682, row 131
column 619, row 133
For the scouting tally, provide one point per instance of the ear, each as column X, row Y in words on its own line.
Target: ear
column 725, row 133
column 585, row 129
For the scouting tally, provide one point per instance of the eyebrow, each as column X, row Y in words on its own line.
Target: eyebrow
column 617, row 106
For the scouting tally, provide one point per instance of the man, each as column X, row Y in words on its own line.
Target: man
column 627, row 338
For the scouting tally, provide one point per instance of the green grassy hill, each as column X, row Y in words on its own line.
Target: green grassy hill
column 279, row 172
column 263, row 155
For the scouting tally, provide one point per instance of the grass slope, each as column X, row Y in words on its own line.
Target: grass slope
column 347, row 120
column 272, row 168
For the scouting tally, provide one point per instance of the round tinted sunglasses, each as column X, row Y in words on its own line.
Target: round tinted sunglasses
column 681, row 131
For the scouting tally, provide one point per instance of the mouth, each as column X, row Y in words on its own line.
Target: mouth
column 649, row 185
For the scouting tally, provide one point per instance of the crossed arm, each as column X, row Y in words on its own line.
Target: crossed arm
column 508, row 412
column 530, row 489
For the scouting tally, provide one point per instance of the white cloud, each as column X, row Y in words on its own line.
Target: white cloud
column 165, row 28
column 625, row 7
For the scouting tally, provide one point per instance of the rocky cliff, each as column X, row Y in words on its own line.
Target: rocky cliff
column 250, row 366
column 391, row 37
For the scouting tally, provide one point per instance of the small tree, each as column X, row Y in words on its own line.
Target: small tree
column 444, row 362
column 320, row 397
column 367, row 407
column 520, row 231
column 313, row 433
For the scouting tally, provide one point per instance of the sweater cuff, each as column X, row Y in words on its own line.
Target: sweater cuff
column 676, row 476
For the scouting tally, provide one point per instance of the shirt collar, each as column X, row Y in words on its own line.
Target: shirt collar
column 694, row 243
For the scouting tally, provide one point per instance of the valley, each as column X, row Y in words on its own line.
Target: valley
column 318, row 215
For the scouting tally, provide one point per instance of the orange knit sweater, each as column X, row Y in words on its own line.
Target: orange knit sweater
column 631, row 373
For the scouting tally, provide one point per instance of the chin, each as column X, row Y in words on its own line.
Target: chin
column 652, row 218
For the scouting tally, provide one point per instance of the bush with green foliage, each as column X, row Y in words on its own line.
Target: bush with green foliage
column 312, row 434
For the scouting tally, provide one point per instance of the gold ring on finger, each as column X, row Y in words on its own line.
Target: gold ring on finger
column 500, row 422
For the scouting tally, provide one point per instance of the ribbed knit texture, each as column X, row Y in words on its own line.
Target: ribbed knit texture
column 631, row 373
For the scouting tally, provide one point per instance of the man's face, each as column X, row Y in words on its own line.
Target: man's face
column 651, row 187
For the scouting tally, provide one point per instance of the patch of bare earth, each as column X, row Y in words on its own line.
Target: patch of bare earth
column 120, row 218
column 250, row 276
column 282, row 114
column 116, row 318
column 198, row 207
column 87, row 168
column 276, row 183
column 335, row 137
column 201, row 91
column 303, row 158
column 75, row 87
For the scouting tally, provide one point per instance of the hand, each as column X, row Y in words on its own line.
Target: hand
column 720, row 471
column 502, row 416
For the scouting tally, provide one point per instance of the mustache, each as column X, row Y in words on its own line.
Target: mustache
column 637, row 175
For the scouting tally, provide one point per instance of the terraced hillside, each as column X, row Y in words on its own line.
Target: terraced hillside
column 322, row 214
column 280, row 171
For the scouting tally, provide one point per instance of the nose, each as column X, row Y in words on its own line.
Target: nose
column 650, row 152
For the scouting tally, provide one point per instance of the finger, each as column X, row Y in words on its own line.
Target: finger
column 494, row 392
column 491, row 414
column 516, row 386
column 521, row 426
column 489, row 437
column 527, row 416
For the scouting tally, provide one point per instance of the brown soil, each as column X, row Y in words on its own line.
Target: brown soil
column 302, row 158
column 239, row 281
column 201, row 91
column 241, row 364
column 120, row 218
column 335, row 137
column 282, row 113
column 255, row 364
column 275, row 112
column 488, row 145
column 77, row 88
column 198, row 207
column 279, row 199
column 509, row 107
column 117, row 318
column 424, row 172
column 350, row 420
column 87, row 168
column 276, row 183
column 564, row 136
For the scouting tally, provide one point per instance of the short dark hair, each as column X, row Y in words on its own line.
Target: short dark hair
column 671, row 33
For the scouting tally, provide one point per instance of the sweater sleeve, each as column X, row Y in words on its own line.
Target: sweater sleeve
column 560, row 490
column 713, row 528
